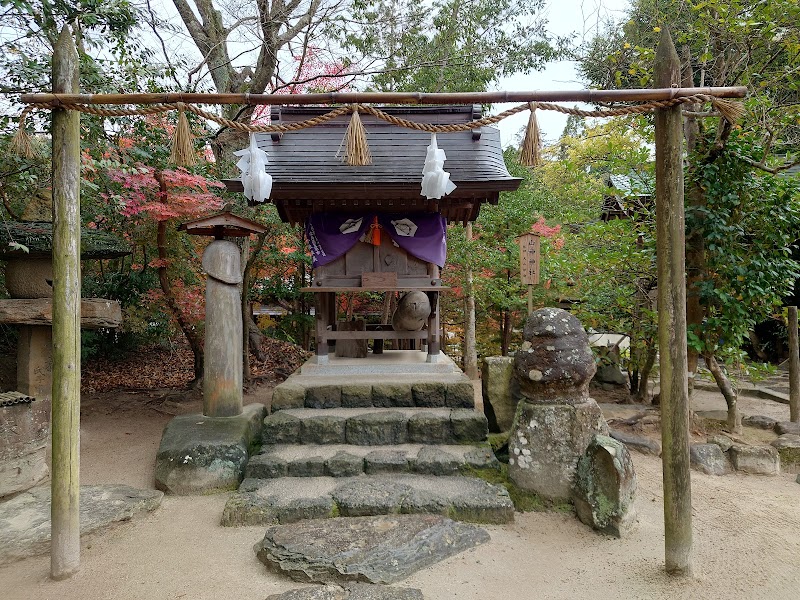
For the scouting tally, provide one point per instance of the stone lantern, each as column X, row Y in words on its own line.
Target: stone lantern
column 25, row 412
column 208, row 453
column 222, row 379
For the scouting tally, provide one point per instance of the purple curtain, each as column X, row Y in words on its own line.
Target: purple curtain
column 422, row 235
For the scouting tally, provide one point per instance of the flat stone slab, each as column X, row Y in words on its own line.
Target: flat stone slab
column 292, row 499
column 391, row 362
column 25, row 518
column 350, row 591
column 345, row 460
column 760, row 422
column 207, row 455
column 381, row 549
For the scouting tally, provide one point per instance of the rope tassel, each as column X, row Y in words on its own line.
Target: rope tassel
column 530, row 151
column 356, row 147
column 183, row 154
column 21, row 143
column 730, row 110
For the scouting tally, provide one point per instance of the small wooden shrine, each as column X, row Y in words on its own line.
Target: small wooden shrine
column 369, row 227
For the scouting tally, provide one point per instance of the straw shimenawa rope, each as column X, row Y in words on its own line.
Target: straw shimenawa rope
column 357, row 149
column 183, row 153
column 529, row 152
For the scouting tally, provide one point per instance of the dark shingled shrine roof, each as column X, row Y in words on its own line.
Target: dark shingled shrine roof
column 309, row 176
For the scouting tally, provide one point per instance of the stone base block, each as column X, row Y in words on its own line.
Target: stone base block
column 500, row 392
column 605, row 487
column 546, row 442
column 207, row 455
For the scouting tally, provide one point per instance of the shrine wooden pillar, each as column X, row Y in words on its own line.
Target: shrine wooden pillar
column 670, row 228
column 65, row 488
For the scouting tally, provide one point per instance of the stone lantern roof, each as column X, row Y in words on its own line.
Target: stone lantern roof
column 37, row 237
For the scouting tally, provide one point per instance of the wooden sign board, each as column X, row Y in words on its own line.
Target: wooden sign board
column 529, row 258
column 379, row 280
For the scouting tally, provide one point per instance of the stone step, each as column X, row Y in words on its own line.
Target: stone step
column 291, row 499
column 375, row 426
column 341, row 460
column 390, row 362
column 384, row 391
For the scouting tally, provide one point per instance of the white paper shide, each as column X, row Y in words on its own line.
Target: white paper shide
column 435, row 180
column 253, row 165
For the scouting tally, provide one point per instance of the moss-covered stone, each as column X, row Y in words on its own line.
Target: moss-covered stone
column 468, row 425
column 430, row 428
column 429, row 394
column 460, row 395
column 281, row 428
column 356, row 396
column 605, row 486
column 377, row 429
column 323, row 429
column 323, row 396
column 288, row 395
column 389, row 395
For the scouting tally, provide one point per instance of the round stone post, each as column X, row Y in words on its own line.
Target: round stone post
column 222, row 381
column 555, row 419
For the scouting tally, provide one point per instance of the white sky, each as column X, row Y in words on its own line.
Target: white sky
column 578, row 19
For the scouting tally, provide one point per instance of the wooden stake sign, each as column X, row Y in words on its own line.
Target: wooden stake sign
column 529, row 258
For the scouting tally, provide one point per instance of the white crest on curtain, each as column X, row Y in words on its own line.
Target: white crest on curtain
column 435, row 180
column 256, row 181
column 405, row 227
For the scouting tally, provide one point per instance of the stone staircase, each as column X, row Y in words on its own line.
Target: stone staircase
column 359, row 444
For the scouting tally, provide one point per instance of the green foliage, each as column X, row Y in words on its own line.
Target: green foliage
column 749, row 221
column 448, row 45
column 493, row 256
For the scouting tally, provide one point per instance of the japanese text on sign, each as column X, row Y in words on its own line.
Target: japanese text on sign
column 529, row 258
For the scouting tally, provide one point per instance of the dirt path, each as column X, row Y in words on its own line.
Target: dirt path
column 747, row 537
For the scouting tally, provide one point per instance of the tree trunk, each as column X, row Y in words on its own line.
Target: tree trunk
column 756, row 343
column 724, row 384
column 642, row 390
column 470, row 351
column 505, row 332
column 195, row 342
column 794, row 367
column 251, row 340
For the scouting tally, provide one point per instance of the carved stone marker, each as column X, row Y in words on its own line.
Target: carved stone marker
column 555, row 419
column 222, row 381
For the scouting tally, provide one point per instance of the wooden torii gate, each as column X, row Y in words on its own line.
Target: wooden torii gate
column 65, row 549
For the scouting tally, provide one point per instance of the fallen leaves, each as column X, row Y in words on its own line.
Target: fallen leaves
column 172, row 367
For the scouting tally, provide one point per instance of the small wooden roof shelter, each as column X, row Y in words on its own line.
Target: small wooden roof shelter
column 308, row 174
column 222, row 224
